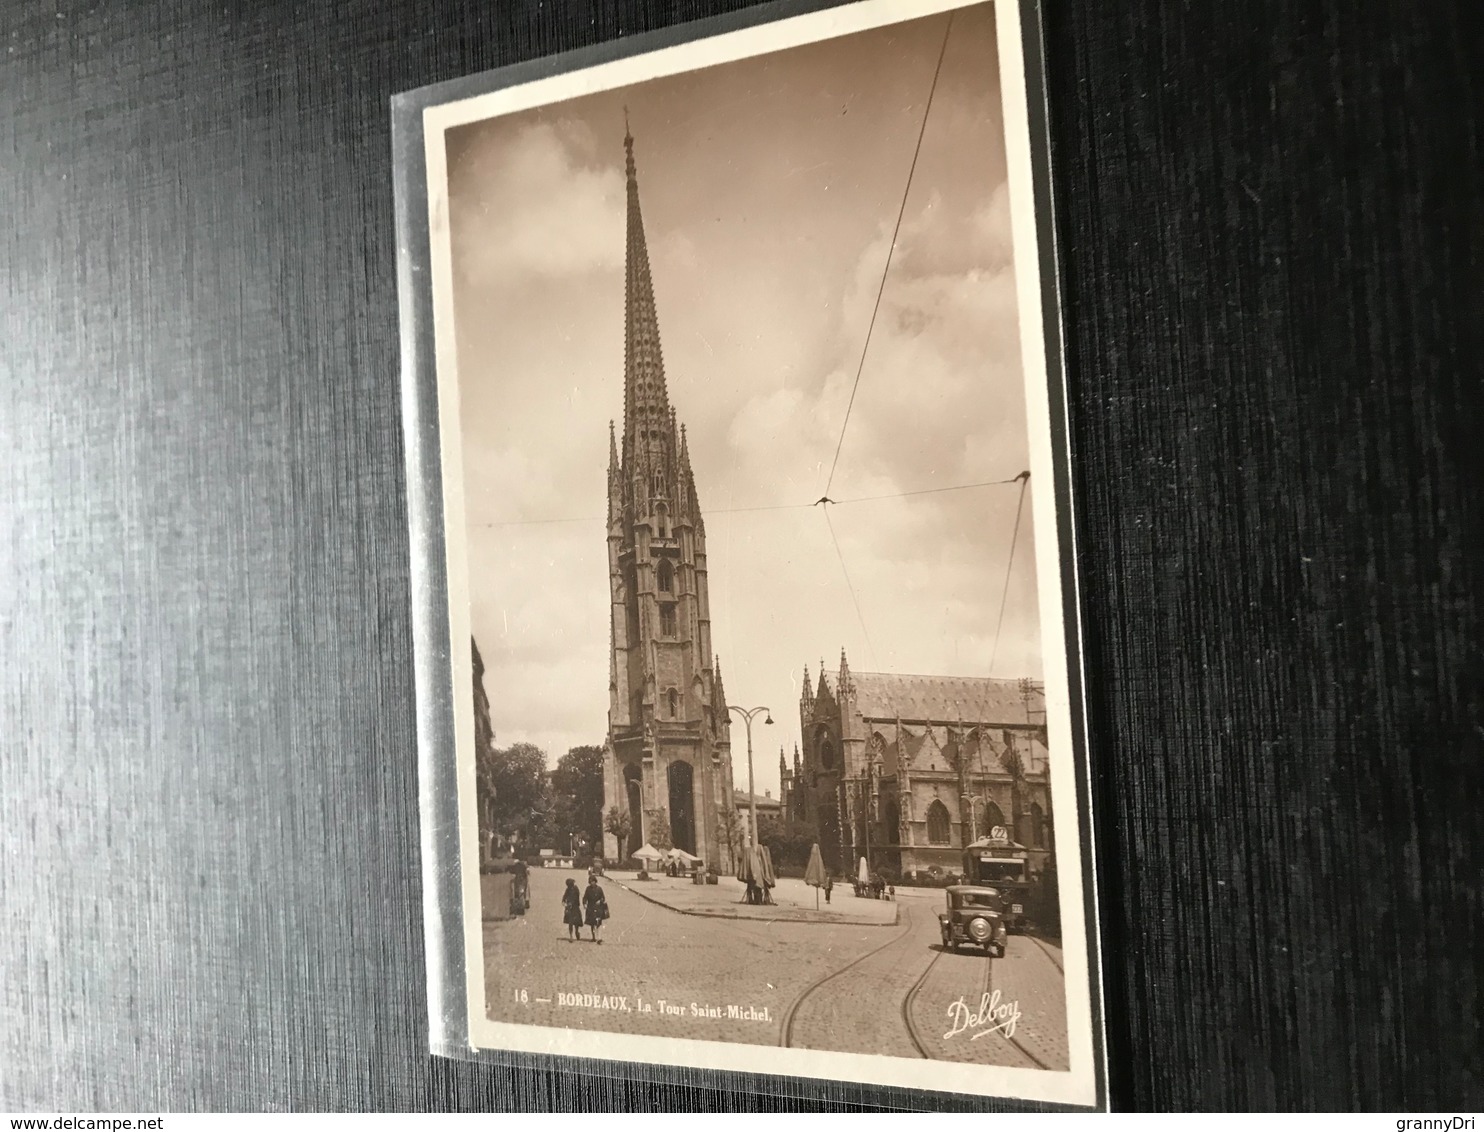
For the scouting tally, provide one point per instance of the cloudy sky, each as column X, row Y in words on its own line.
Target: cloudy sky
column 769, row 188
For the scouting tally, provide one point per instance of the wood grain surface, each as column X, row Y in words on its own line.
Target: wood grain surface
column 1271, row 243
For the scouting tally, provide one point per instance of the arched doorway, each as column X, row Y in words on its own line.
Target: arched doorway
column 632, row 777
column 682, row 806
column 827, row 819
column 891, row 850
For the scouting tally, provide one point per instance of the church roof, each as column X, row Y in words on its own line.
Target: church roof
column 943, row 699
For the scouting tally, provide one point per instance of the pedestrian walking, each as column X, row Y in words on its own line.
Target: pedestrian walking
column 572, row 910
column 829, row 883
column 596, row 905
column 522, row 888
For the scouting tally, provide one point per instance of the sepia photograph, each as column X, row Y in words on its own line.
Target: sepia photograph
column 763, row 691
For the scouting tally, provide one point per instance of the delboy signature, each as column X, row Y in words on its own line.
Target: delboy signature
column 991, row 1017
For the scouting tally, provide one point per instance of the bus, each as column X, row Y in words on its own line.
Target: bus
column 997, row 862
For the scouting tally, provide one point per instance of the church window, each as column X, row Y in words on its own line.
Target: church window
column 993, row 816
column 667, row 577
column 938, row 824
column 672, row 697
column 826, row 754
column 667, row 619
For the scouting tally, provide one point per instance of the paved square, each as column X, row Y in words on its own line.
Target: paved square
column 881, row 988
column 793, row 900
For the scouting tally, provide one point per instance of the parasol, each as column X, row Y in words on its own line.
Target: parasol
column 756, row 868
column 649, row 853
column 814, row 874
column 863, row 874
column 769, row 877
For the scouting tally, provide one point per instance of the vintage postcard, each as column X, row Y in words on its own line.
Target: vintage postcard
column 762, row 660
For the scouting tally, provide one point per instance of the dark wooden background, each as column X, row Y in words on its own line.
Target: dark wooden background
column 1271, row 238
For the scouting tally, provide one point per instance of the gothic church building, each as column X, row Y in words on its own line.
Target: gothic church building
column 907, row 771
column 669, row 761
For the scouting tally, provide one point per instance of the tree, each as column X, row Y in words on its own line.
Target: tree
column 577, row 794
column 659, row 830
column 484, row 747
column 617, row 822
column 769, row 831
column 560, row 828
column 730, row 828
column 789, row 842
column 518, row 777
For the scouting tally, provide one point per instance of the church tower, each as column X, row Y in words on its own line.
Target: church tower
column 669, row 760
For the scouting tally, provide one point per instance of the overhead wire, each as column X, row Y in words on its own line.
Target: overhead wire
column 1025, row 482
column 890, row 252
column 825, row 502
column 770, row 507
column 851, row 587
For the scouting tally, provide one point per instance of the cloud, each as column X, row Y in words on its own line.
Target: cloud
column 535, row 206
column 539, row 609
column 939, row 400
column 768, row 234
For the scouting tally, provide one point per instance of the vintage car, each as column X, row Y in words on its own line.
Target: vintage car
column 975, row 914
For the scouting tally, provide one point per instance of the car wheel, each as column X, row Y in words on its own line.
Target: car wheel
column 980, row 931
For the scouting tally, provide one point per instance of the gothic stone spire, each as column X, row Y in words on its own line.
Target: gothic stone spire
column 646, row 401
column 615, row 479
column 661, row 653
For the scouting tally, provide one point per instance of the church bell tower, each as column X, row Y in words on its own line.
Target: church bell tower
column 669, row 762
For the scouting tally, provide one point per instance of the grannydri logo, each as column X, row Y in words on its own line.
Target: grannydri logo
column 1436, row 1124
column 991, row 1016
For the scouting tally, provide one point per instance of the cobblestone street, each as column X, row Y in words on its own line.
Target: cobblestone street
column 859, row 988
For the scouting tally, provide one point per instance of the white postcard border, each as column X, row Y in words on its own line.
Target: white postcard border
column 1078, row 1085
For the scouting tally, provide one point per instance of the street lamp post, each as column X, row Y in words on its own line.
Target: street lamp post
column 973, row 800
column 747, row 715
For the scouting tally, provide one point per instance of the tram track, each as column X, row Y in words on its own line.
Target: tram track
column 919, row 1039
column 1014, row 1041
column 786, row 1031
column 1050, row 955
column 909, row 1000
